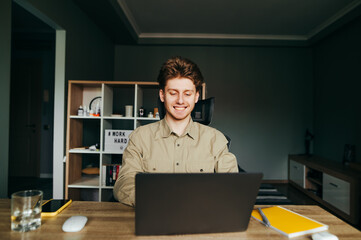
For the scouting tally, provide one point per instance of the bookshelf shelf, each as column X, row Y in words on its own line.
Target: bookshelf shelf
column 119, row 118
column 86, row 182
column 84, row 117
column 147, row 119
column 85, row 151
column 104, row 152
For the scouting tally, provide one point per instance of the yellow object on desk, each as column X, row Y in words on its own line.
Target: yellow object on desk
column 289, row 223
column 53, row 207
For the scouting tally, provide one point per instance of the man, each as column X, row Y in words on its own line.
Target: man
column 174, row 144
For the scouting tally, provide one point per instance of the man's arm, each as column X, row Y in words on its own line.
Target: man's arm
column 225, row 161
column 124, row 188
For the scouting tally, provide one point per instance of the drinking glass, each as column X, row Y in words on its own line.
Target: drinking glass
column 26, row 210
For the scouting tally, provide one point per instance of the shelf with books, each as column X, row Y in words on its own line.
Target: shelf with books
column 109, row 174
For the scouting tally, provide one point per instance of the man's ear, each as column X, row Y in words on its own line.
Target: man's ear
column 161, row 95
column 197, row 97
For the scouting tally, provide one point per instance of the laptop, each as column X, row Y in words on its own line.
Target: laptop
column 186, row 203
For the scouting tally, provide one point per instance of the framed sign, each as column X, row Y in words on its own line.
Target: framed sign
column 116, row 140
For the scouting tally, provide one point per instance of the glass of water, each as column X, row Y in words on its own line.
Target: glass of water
column 26, row 210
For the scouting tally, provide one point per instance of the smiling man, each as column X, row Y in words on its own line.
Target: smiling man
column 174, row 144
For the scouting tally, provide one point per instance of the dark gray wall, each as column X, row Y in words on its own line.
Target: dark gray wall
column 5, row 46
column 337, row 92
column 89, row 53
column 264, row 96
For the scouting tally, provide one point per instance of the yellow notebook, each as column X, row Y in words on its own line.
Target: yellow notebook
column 289, row 223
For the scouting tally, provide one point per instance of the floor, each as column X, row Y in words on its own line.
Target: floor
column 27, row 183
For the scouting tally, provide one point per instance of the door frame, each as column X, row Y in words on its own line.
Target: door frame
column 59, row 115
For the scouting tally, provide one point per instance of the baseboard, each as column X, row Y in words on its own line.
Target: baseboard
column 275, row 181
column 46, row 175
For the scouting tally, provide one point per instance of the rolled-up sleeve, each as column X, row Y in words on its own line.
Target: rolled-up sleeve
column 226, row 161
column 124, row 188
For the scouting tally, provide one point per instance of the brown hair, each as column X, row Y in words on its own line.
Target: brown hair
column 178, row 67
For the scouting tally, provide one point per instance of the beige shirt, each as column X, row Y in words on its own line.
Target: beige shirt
column 155, row 148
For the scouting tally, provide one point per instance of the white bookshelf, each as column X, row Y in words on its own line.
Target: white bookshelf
column 114, row 95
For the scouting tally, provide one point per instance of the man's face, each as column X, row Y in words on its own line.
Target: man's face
column 179, row 97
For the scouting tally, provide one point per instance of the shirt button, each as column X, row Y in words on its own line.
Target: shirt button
column 177, row 163
column 154, row 169
column 201, row 170
column 178, row 144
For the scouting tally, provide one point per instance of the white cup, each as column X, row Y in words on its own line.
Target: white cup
column 129, row 110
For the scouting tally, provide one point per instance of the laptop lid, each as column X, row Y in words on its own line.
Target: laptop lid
column 194, row 203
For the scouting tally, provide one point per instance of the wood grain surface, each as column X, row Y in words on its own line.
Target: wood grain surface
column 111, row 220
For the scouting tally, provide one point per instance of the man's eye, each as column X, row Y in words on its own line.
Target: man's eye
column 172, row 93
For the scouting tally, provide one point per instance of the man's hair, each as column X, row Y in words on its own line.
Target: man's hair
column 178, row 67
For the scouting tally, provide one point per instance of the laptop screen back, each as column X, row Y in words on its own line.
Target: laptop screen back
column 194, row 203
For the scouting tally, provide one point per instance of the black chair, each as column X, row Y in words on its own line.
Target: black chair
column 202, row 113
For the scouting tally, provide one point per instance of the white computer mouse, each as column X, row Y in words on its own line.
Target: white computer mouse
column 324, row 236
column 74, row 223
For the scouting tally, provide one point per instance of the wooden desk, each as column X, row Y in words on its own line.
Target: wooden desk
column 109, row 220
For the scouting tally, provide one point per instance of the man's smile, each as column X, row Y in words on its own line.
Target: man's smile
column 179, row 108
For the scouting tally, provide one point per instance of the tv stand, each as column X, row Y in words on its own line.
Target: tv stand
column 333, row 185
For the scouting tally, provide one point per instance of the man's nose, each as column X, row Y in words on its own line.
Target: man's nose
column 180, row 99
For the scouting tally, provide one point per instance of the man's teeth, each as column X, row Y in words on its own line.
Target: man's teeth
column 180, row 108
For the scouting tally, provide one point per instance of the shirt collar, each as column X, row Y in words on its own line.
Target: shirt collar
column 191, row 130
column 165, row 131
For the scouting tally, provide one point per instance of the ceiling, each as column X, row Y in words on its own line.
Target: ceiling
column 214, row 22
